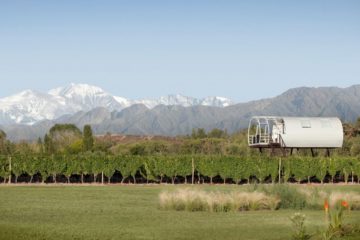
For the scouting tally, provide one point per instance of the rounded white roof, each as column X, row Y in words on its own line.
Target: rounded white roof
column 309, row 132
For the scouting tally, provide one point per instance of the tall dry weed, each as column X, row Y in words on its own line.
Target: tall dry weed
column 191, row 200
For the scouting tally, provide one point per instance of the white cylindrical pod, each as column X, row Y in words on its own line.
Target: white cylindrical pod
column 315, row 132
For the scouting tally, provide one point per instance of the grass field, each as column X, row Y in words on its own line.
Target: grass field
column 131, row 212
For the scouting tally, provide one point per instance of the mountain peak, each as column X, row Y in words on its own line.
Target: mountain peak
column 185, row 101
column 27, row 92
column 79, row 89
column 217, row 101
column 21, row 96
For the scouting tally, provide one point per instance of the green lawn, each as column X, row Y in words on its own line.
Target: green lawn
column 131, row 212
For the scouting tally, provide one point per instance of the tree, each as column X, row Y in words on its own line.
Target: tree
column 171, row 167
column 299, row 168
column 206, row 165
column 23, row 148
column 322, row 168
column 71, row 168
column 198, row 133
column 57, row 166
column 88, row 139
column 44, row 168
column 63, row 136
column 191, row 146
column 345, row 167
column 183, row 166
column 123, row 166
column 128, row 166
column 150, row 171
column 214, row 146
column 311, row 166
column 217, row 133
column 357, row 168
column 156, row 147
column 48, row 144
column 333, row 168
column 355, row 147
column 262, row 168
column 287, row 169
column 109, row 168
column 225, row 166
column 357, row 126
column 76, row 147
column 237, row 170
column 40, row 145
column 103, row 144
column 17, row 166
column 249, row 168
column 32, row 166
column 97, row 163
column 6, row 147
column 138, row 149
column 86, row 165
column 4, row 169
column 273, row 168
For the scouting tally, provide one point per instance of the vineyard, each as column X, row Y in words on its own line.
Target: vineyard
column 98, row 167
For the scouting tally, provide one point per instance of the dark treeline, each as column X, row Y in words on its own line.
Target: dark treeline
column 66, row 154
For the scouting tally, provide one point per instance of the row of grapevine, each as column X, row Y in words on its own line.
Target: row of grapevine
column 178, row 168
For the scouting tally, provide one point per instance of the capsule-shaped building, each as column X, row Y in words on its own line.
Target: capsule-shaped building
column 295, row 132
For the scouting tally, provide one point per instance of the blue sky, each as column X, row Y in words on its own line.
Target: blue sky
column 244, row 50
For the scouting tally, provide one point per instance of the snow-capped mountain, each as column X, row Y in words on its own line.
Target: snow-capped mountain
column 185, row 101
column 216, row 102
column 124, row 102
column 83, row 97
column 169, row 100
column 29, row 107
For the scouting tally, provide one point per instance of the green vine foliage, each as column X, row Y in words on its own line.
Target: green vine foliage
column 4, row 168
column 178, row 168
column 333, row 168
column 299, row 168
column 322, row 168
column 207, row 166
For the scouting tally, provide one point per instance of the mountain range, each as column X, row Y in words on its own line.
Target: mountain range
column 29, row 107
column 170, row 116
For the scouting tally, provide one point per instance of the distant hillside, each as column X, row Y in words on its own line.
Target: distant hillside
column 174, row 120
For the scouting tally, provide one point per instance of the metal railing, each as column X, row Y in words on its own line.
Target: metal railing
column 282, row 143
column 265, row 140
column 259, row 139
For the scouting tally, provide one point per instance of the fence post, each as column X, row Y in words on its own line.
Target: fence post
column 9, row 169
column 280, row 170
column 192, row 170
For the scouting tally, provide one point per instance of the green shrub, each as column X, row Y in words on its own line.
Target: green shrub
column 289, row 196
